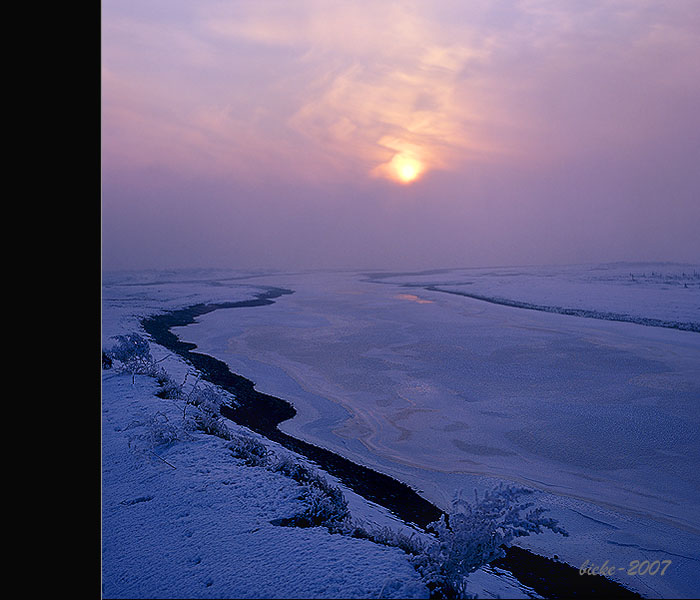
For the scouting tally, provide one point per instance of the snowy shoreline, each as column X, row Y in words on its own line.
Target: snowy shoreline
column 183, row 517
column 576, row 312
column 548, row 577
column 131, row 297
column 187, row 519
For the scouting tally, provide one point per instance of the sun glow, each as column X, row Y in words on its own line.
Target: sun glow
column 406, row 169
column 408, row 173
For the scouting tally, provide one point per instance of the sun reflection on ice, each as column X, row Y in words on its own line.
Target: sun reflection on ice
column 413, row 298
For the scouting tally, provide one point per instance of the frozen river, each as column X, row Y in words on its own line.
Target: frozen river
column 448, row 392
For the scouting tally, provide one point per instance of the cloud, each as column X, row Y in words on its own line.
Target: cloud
column 334, row 90
column 370, row 81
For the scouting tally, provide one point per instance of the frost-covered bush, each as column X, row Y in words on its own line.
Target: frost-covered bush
column 133, row 354
column 212, row 424
column 410, row 544
column 289, row 467
column 129, row 348
column 251, row 451
column 169, row 389
column 154, row 431
column 207, row 399
column 160, row 431
column 207, row 417
column 325, row 504
column 475, row 534
column 205, row 404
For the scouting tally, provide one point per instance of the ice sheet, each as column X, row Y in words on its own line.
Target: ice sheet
column 447, row 392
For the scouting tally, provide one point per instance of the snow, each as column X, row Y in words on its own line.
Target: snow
column 667, row 293
column 187, row 519
column 201, row 527
column 446, row 392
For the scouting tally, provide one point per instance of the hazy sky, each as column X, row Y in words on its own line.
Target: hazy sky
column 302, row 133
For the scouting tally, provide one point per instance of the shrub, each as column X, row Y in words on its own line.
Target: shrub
column 169, row 390
column 207, row 399
column 160, row 431
column 253, row 452
column 134, row 354
column 212, row 425
column 130, row 348
column 325, row 504
column 387, row 536
column 288, row 467
column 207, row 417
column 156, row 431
column 474, row 535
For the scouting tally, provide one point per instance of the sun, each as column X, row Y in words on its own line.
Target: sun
column 408, row 173
column 406, row 168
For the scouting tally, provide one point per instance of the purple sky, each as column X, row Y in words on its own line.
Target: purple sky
column 298, row 134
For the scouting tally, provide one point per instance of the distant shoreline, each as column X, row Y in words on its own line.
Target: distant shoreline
column 576, row 312
column 263, row 413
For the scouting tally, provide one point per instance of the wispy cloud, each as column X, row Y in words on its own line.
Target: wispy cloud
column 337, row 88
column 374, row 82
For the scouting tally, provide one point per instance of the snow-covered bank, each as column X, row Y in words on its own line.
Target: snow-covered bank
column 654, row 294
column 186, row 519
column 182, row 517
